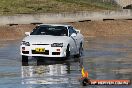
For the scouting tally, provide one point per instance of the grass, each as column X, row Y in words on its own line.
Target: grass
column 8, row 7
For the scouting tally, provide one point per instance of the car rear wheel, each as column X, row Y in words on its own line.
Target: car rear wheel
column 80, row 51
column 24, row 60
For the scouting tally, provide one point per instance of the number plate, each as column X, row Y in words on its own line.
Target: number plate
column 40, row 49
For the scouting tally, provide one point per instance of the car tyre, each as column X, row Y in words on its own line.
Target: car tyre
column 68, row 52
column 80, row 51
column 24, row 60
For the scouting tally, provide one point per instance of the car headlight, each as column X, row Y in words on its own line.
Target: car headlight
column 25, row 43
column 57, row 45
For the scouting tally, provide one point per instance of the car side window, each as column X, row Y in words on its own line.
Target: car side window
column 71, row 31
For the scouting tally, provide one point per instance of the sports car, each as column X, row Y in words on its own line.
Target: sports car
column 52, row 40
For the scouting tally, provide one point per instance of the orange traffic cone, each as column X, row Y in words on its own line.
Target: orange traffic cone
column 84, row 73
column 84, row 79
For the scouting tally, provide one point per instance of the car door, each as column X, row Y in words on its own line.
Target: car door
column 73, row 41
column 77, row 39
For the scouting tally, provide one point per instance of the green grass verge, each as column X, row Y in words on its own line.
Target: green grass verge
column 9, row 7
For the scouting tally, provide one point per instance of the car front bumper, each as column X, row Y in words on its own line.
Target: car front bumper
column 49, row 51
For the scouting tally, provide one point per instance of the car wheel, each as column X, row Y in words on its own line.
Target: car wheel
column 68, row 52
column 24, row 60
column 80, row 51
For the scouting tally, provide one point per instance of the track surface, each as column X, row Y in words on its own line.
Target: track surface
column 104, row 58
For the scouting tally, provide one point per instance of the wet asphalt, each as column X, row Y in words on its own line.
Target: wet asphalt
column 103, row 58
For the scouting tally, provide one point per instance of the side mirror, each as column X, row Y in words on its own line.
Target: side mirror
column 78, row 31
column 73, row 35
column 27, row 33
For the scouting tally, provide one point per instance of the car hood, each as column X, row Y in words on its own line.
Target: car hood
column 45, row 39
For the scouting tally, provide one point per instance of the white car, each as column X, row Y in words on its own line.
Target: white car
column 52, row 40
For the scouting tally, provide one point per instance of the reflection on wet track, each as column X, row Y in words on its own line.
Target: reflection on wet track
column 51, row 72
column 104, row 58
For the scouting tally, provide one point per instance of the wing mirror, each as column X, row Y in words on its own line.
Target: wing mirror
column 27, row 33
column 78, row 31
column 73, row 35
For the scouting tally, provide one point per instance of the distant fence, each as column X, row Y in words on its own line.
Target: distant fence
column 65, row 17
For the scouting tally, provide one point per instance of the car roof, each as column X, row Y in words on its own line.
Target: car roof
column 55, row 25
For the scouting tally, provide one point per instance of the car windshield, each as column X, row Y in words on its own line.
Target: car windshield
column 50, row 30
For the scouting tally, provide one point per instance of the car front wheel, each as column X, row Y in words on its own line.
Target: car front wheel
column 68, row 52
column 24, row 60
